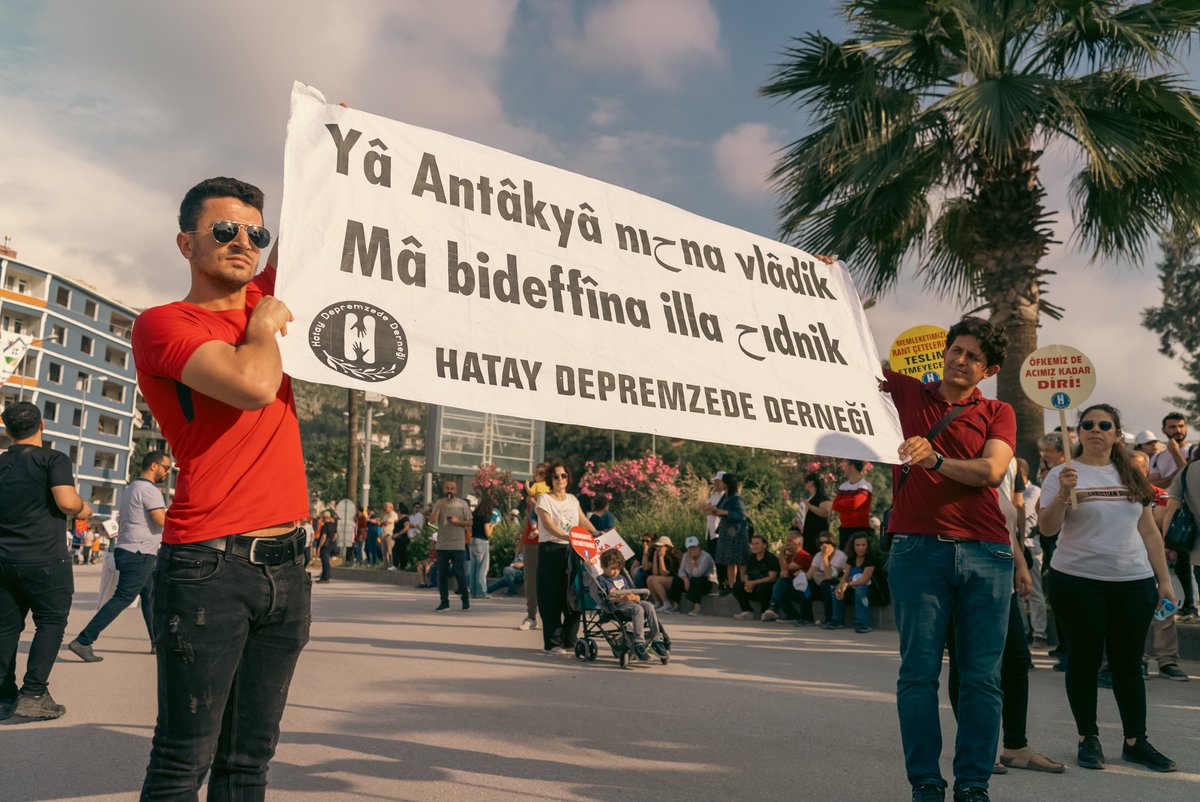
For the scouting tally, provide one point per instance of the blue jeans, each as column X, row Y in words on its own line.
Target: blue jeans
column 228, row 634
column 789, row 602
column 135, row 577
column 450, row 564
column 480, row 563
column 511, row 578
column 862, row 605
column 934, row 581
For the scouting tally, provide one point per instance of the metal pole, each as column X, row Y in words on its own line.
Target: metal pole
column 612, row 445
column 352, row 443
column 366, row 477
column 654, row 444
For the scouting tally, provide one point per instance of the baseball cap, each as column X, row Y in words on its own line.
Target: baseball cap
column 717, row 475
column 691, row 541
column 1144, row 437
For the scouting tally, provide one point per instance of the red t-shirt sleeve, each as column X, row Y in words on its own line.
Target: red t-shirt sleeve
column 164, row 339
column 260, row 285
column 1004, row 426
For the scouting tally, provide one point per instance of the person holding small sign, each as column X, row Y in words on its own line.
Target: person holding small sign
column 558, row 513
column 1109, row 572
column 951, row 556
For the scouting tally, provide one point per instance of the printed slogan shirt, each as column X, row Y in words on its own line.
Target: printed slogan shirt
column 239, row 470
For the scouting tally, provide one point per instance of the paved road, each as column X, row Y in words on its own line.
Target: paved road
column 394, row 702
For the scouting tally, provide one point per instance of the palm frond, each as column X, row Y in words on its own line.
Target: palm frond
column 1103, row 35
column 1001, row 114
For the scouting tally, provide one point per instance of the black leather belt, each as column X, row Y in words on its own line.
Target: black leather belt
column 259, row 550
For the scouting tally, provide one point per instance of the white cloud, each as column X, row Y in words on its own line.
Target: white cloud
column 745, row 157
column 606, row 111
column 661, row 40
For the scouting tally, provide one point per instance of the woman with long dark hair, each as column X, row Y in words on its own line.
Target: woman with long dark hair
column 1109, row 572
column 733, row 530
column 818, row 508
column 558, row 513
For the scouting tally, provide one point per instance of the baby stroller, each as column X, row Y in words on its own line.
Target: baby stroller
column 602, row 619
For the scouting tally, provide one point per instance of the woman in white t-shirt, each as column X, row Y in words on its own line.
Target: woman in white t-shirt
column 1108, row 573
column 558, row 512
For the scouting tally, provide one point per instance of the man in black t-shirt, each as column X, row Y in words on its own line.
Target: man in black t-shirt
column 37, row 496
column 758, row 579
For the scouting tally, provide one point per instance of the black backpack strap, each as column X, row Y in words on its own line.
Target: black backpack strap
column 938, row 428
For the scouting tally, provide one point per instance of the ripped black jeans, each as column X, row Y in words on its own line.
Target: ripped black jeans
column 228, row 635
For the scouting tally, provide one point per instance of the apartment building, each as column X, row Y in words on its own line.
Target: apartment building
column 79, row 371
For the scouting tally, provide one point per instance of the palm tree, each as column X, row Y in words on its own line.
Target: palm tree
column 929, row 126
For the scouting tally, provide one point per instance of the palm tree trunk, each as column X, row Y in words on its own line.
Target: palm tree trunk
column 1022, row 341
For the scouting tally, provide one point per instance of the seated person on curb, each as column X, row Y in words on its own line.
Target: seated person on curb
column 790, row 597
column 664, row 567
column 695, row 576
column 857, row 579
column 613, row 580
column 644, row 560
column 513, row 575
column 758, row 579
column 825, row 572
column 427, row 568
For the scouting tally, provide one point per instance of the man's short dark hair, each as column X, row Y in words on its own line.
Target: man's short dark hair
column 1179, row 416
column 221, row 187
column 153, row 458
column 21, row 419
column 992, row 340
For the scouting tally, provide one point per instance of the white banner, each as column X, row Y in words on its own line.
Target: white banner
column 12, row 351
column 427, row 267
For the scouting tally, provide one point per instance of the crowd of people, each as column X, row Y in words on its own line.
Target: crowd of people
column 980, row 546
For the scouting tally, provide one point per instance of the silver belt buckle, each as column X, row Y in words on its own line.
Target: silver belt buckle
column 948, row 539
column 253, row 546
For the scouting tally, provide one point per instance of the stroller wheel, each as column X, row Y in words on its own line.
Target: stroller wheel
column 581, row 650
column 592, row 651
column 624, row 659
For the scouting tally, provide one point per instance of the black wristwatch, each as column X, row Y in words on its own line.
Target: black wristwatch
column 938, row 463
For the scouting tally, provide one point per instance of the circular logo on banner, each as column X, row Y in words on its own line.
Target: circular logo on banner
column 1058, row 377
column 918, row 351
column 359, row 340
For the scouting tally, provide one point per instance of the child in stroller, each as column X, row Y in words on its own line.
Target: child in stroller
column 618, row 597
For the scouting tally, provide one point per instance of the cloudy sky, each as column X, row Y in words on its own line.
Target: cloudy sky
column 112, row 110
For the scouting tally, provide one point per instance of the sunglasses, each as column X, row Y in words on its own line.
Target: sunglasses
column 1102, row 425
column 224, row 231
column 559, row 476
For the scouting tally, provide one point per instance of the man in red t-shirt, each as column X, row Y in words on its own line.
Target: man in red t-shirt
column 951, row 557
column 232, row 598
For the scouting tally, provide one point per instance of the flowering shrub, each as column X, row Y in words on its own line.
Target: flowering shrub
column 627, row 482
column 496, row 488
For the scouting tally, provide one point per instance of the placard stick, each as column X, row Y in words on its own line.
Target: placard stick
column 1062, row 423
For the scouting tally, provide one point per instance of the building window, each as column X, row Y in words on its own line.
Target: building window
column 113, row 392
column 116, row 356
column 89, row 308
column 58, row 334
column 103, row 495
column 49, row 444
column 105, row 461
column 86, row 345
column 73, row 453
column 14, row 324
column 121, row 326
column 109, row 425
column 83, row 382
column 17, row 285
column 54, row 373
column 77, row 417
column 50, row 410
column 63, row 297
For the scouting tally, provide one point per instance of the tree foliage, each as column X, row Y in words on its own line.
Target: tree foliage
column 1177, row 320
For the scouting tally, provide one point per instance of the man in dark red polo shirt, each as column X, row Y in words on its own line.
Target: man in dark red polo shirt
column 232, row 597
column 951, row 558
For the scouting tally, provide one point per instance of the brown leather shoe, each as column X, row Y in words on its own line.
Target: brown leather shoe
column 1032, row 761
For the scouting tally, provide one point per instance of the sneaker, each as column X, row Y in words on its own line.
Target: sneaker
column 1090, row 754
column 695, row 612
column 84, row 651
column 658, row 647
column 1104, row 679
column 442, row 606
column 40, row 707
column 770, row 615
column 927, row 792
column 744, row 615
column 975, row 794
column 669, row 608
column 1142, row 752
column 864, row 630
column 1172, row 672
column 640, row 650
column 534, row 625
column 526, row 625
column 832, row 625
column 556, row 651
column 6, row 708
column 801, row 622
column 725, row 591
column 466, row 603
column 391, row 568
